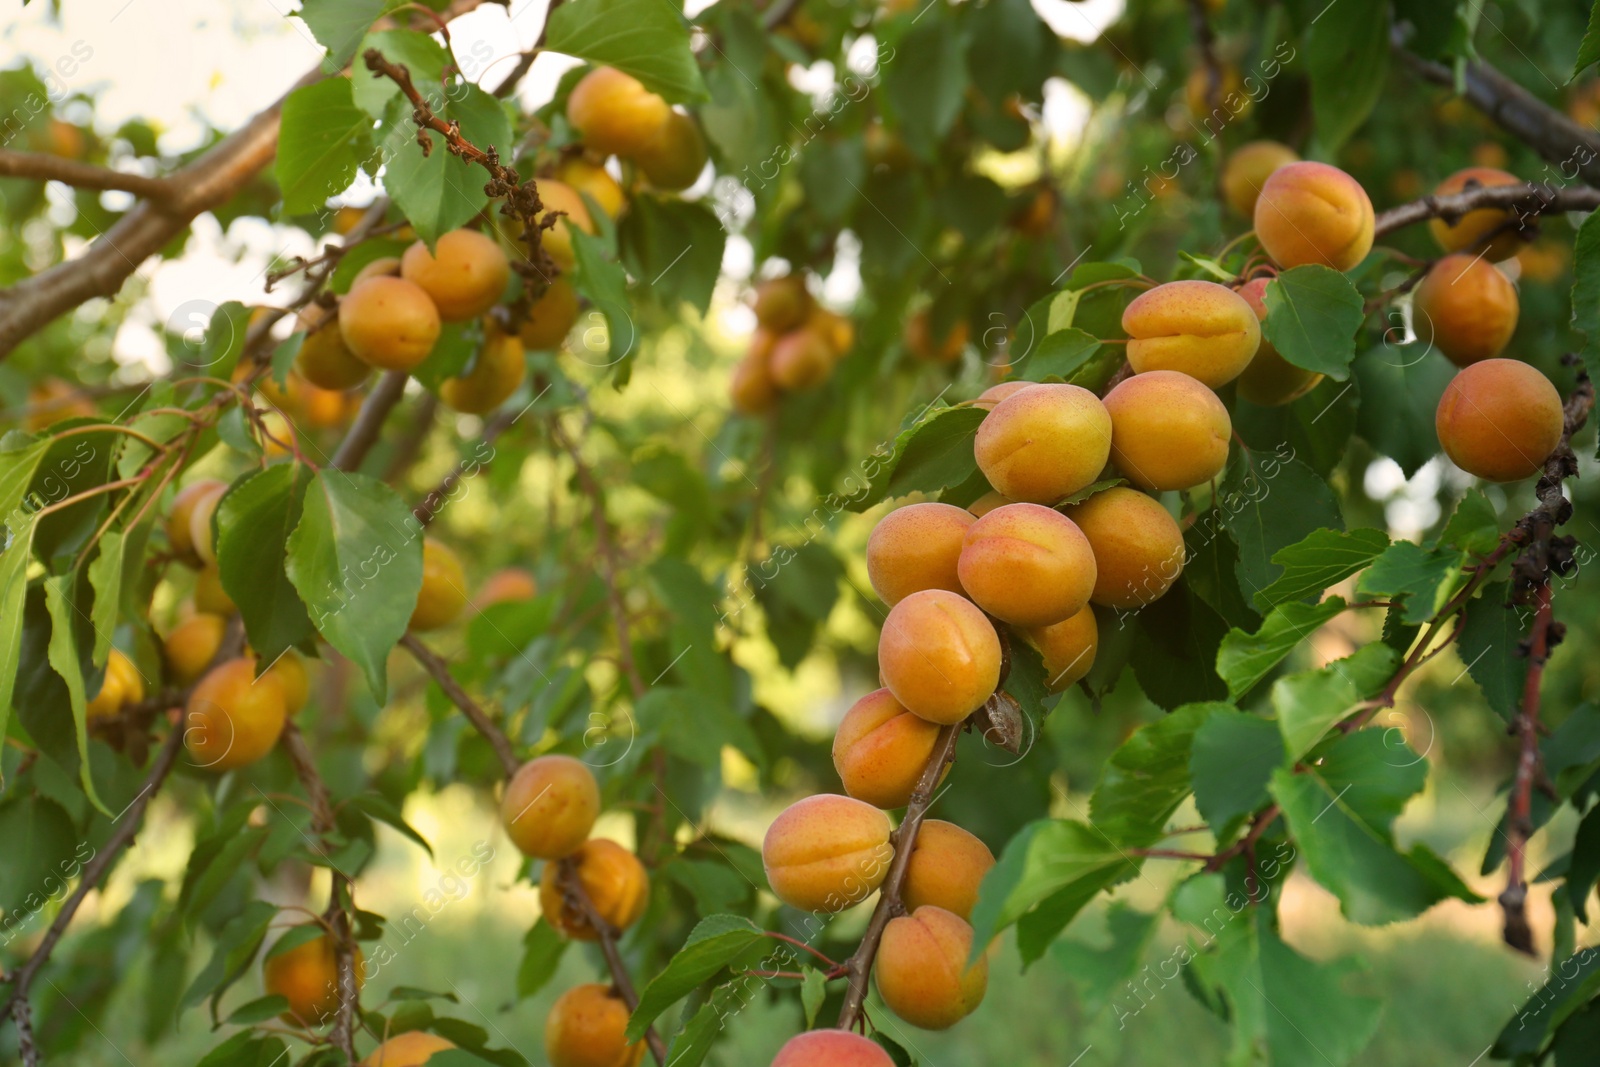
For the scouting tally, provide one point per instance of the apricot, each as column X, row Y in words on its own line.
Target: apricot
column 987, row 503
column 594, row 181
column 1027, row 565
column 881, row 749
column 411, row 1049
column 922, row 970
column 192, row 645
column 782, row 304
column 122, row 685
column 1199, row 328
column 831, row 1048
column 1314, row 213
column 947, row 865
column 561, row 197
column 290, row 671
column 202, row 535
column 443, row 595
column 1138, row 547
column 550, row 806
column 1067, row 647
column 320, row 408
column 233, row 717
column 1466, row 309
column 920, row 342
column 551, row 317
column 389, row 323
column 800, row 360
column 675, row 156
column 1499, row 419
column 990, row 397
column 916, row 547
column 1468, row 233
column 586, row 1028
column 939, row 655
column 834, row 328
column 52, row 400
column 1270, row 380
column 827, row 852
column 751, row 389
column 1247, row 170
column 382, row 267
column 1168, row 431
column 507, row 585
column 1044, row 442
column 498, row 372
column 464, row 275
column 614, row 881
column 308, row 977
column 183, row 507
column 324, row 359
column 614, row 113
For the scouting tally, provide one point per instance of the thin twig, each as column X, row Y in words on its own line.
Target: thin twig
column 1525, row 200
column 572, row 889
column 435, row 665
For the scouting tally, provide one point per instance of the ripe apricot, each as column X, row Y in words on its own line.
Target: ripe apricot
column 922, row 970
column 594, row 181
column 1499, row 419
column 881, row 749
column 443, row 595
column 831, row 1048
column 1168, row 431
column 782, row 304
column 498, row 372
column 1138, row 547
column 1314, row 213
column 1247, row 170
column 916, row 547
column 585, row 1028
column 1044, row 442
column 53, row 400
column 122, row 685
column 800, row 360
column 834, row 328
column 507, row 585
column 946, row 867
column 920, row 342
column 389, row 323
column 939, row 655
column 382, row 267
column 614, row 881
column 614, row 113
column 550, row 806
column 1270, row 380
column 675, row 156
column 202, row 536
column 551, row 317
column 561, row 197
column 192, row 645
column 290, row 671
column 464, row 275
column 233, row 717
column 183, row 507
column 308, row 977
column 320, row 408
column 751, row 389
column 996, row 393
column 324, row 359
column 1067, row 647
column 1466, row 309
column 411, row 1049
column 987, row 503
column 1467, row 233
column 1199, row 328
column 827, row 852
column 1027, row 565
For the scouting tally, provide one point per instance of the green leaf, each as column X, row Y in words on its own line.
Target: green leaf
column 645, row 38
column 438, row 192
column 379, row 807
column 1406, row 569
column 1473, row 527
column 17, row 467
column 255, row 519
column 425, row 59
column 934, row 453
column 339, row 25
column 605, row 284
column 692, row 1044
column 246, row 1049
column 813, row 991
column 72, row 465
column 1245, row 658
column 356, row 559
column 105, row 578
column 713, row 944
column 323, row 139
column 1589, row 47
column 258, row 1011
column 41, row 845
column 1099, row 973
column 542, row 950
column 1147, row 777
column 1058, row 357
column 1175, row 657
column 1233, row 757
column 1488, row 643
column 1347, row 52
column 1375, row 773
column 1309, row 702
column 926, row 83
column 65, row 661
column 675, row 247
column 1573, row 983
column 1313, row 314
column 234, row 951
column 1268, row 504
column 1400, row 390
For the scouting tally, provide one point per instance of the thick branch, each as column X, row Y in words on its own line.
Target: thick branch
column 36, row 166
column 435, row 665
column 572, row 889
column 369, row 421
column 1525, row 201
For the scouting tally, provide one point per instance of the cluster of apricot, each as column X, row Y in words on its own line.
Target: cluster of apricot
column 549, row 809
column 795, row 347
column 616, row 115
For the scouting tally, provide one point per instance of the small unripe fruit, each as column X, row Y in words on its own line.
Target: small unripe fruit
column 586, row 1028
column 551, row 317
column 595, row 182
column 1168, row 431
column 1198, row 328
column 1499, row 419
column 1027, row 565
column 614, row 113
column 192, row 645
column 1270, row 380
column 831, row 1048
column 752, row 390
column 559, row 196
column 411, row 1049
column 939, row 655
column 183, row 507
column 922, row 970
column 1044, row 442
column 1466, row 309
column 1067, row 647
column 121, row 686
column 1247, row 170
column 801, row 360
column 1314, row 213
column 675, row 156
column 1467, row 233
column 290, row 671
column 614, row 881
column 464, row 275
column 498, row 372
column 916, row 547
column 782, row 304
column 1138, row 546
column 389, row 323
column 307, row 976
column 508, row 585
column 947, row 866
column 990, row 397
column 881, row 749
column 827, row 852
column 920, row 342
column 443, row 595
column 550, row 806
column 233, row 717
column 324, row 359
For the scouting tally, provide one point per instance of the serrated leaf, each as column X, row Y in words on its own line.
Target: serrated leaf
column 813, row 991
column 105, row 578
column 1232, row 759
column 254, row 521
column 1589, row 47
column 644, row 38
column 1269, row 503
column 1057, row 357
column 1313, row 314
column 1347, row 53
column 1473, row 526
column 1246, row 658
column 934, row 453
column 438, row 191
column 339, row 25
column 714, row 943
column 1406, row 569
column 1147, row 777
column 1321, row 559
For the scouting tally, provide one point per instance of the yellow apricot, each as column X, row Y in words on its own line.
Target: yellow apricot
column 320, row 408
column 464, row 275
column 1468, row 233
column 751, row 389
column 52, row 400
column 1314, row 213
column 831, row 1048
column 614, row 113
column 922, row 970
column 675, row 156
column 122, row 685
column 834, row 328
column 290, row 671
column 914, row 548
column 1044, row 442
column 1168, row 431
column 561, row 197
column 308, row 977
column 947, row 865
column 1027, row 565
column 498, row 372
column 1067, row 647
column 939, row 655
column 996, row 393
column 551, row 317
column 192, row 645
column 324, row 359
column 233, row 717
column 202, row 536
column 550, row 806
column 919, row 340
column 1270, row 380
column 827, row 852
column 183, row 507
column 443, row 595
column 389, row 323
column 1247, row 169
column 1138, row 547
column 614, row 881
column 411, row 1049
column 1499, row 419
column 987, row 503
column 1466, row 309
column 596, row 182
column 382, row 267
column 1198, row 328
column 507, row 585
column 782, row 304
column 586, row 1028
column 800, row 360
column 880, row 750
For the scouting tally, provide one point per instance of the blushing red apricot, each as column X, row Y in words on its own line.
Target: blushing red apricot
column 880, row 750
column 922, row 970
column 1044, row 442
column 614, row 112
column 549, row 806
column 233, row 717
column 1199, row 328
column 1168, row 431
column 557, row 241
column 307, row 976
column 389, row 323
column 411, row 1049
column 1467, row 233
column 614, row 881
column 551, row 317
column 1138, row 547
column 916, row 547
column 183, row 506
column 594, row 181
column 782, row 304
column 1499, row 419
column 920, row 342
column 939, row 655
column 1270, row 380
column 675, row 156
column 443, row 595
column 1067, row 647
column 1466, row 309
column 1314, row 213
column 192, row 645
column 827, row 852
column 464, row 275
column 586, row 1028
column 831, row 1048
column 800, row 360
column 947, row 865
column 500, row 368
column 1027, row 565
column 1247, row 169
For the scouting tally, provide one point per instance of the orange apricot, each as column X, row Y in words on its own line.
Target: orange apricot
column 382, row 267
column 549, row 806
column 1270, row 380
column 233, row 718
column 996, row 393
column 290, row 671
column 122, row 685
column 614, row 113
column 827, row 852
column 947, row 865
column 675, row 156
column 612, row 878
column 411, row 1049
column 1466, row 309
column 307, row 975
column 1168, row 431
column 800, row 360
column 52, row 400
column 594, row 181
column 988, row 502
column 1499, row 419
column 831, row 1048
column 507, row 585
column 1468, row 233
column 1199, row 328
column 1247, row 169
column 498, row 372
column 443, row 595
column 922, row 969
column 1044, row 442
column 183, row 508
column 838, row 331
column 1067, row 647
column 1204, row 102
column 1314, row 213
column 202, row 535
column 561, row 197
column 1138, row 546
column 324, row 359
column 586, row 1028
column 389, row 323
column 464, row 275
column 1027, row 565
column 192, row 645
column 939, row 655
column 751, row 389
column 782, row 304
column 209, row 595
column 551, row 317
column 880, row 750
column 916, row 547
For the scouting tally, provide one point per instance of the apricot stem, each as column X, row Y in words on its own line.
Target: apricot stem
column 436, row 666
column 797, row 943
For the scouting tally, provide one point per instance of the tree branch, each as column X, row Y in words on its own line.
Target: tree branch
column 1525, row 201
column 572, row 889
column 369, row 421
column 435, row 665
column 36, row 166
column 1206, row 41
